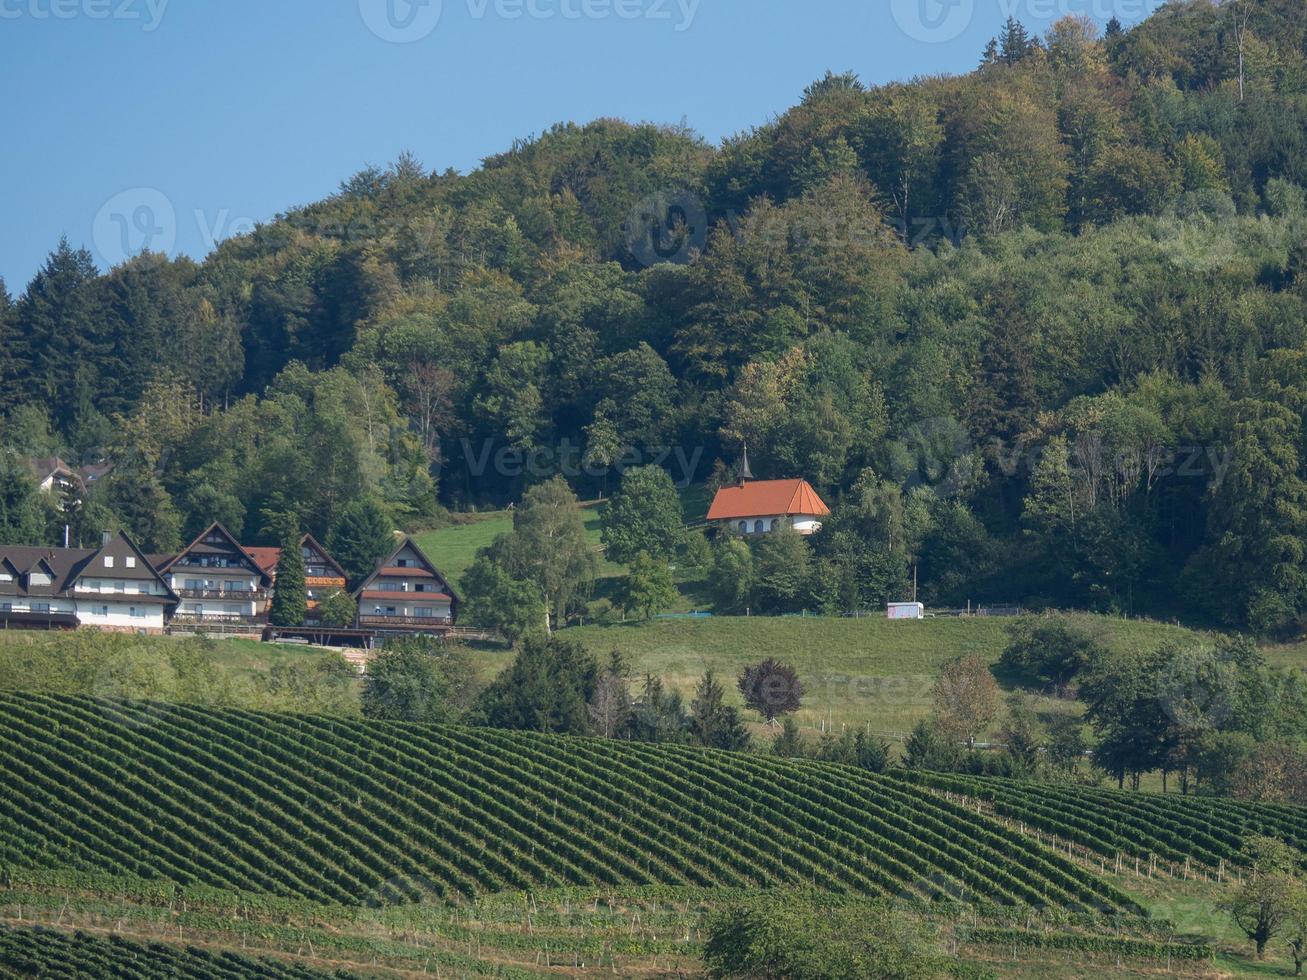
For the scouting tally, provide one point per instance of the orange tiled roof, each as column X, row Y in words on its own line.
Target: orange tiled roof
column 767, row 498
column 265, row 558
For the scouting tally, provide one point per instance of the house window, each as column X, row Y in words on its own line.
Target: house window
column 7, row 607
column 120, row 586
column 757, row 527
column 403, row 563
column 774, row 522
column 138, row 612
column 108, row 561
column 100, row 611
column 423, row 612
column 744, row 527
column 40, row 607
column 130, row 561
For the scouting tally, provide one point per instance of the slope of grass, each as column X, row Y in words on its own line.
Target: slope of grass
column 337, row 811
column 857, row 672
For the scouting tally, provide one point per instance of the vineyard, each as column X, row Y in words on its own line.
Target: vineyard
column 357, row 813
column 46, row 953
column 1109, row 822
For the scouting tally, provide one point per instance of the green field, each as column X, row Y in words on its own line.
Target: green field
column 865, row 672
column 170, row 835
column 311, row 808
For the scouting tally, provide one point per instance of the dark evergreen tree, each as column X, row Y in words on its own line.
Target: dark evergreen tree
column 1014, row 42
column 290, row 596
column 362, row 536
column 547, row 688
column 63, row 328
column 713, row 722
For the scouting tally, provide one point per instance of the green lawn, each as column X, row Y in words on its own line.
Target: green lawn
column 454, row 548
column 867, row 672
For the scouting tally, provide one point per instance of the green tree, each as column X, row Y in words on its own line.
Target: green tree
column 731, row 578
column 648, row 588
column 495, row 600
column 1049, row 650
column 548, row 546
column 363, row 535
column 784, row 570
column 290, row 595
column 713, row 723
column 788, row 744
column 805, row 941
column 644, row 515
column 658, row 714
column 418, row 679
column 141, row 501
column 26, row 514
column 1264, row 900
column 966, row 698
column 338, row 609
column 547, row 688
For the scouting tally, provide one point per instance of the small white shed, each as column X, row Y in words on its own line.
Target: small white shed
column 906, row 610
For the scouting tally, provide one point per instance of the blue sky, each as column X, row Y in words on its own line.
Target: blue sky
column 190, row 119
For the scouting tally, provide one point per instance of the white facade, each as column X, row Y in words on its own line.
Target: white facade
column 765, row 525
column 906, row 610
column 120, row 615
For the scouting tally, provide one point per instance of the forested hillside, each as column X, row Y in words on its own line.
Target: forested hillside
column 1040, row 330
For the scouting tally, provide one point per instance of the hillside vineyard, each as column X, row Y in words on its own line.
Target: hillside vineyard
column 356, row 813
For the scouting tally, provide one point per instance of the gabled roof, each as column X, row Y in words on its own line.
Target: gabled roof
column 767, row 498
column 267, row 558
column 120, row 547
column 48, row 466
column 199, row 546
column 387, row 567
column 67, row 566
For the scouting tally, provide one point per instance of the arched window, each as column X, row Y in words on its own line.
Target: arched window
column 757, row 527
column 774, row 523
column 744, row 527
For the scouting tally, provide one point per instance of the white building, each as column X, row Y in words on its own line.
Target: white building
column 113, row 587
column 217, row 580
column 761, row 506
column 407, row 593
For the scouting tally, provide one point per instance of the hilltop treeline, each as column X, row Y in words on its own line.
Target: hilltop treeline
column 1040, row 330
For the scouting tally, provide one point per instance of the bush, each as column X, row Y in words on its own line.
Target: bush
column 418, row 679
column 797, row 941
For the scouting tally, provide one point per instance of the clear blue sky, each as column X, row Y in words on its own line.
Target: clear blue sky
column 239, row 109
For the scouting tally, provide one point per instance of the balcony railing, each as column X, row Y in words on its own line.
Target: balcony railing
column 232, row 595
column 414, row 621
column 190, row 619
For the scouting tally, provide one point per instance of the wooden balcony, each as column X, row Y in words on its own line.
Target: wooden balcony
column 406, row 622
column 227, row 619
column 229, row 595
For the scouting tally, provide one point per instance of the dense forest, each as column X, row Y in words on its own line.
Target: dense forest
column 1039, row 330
